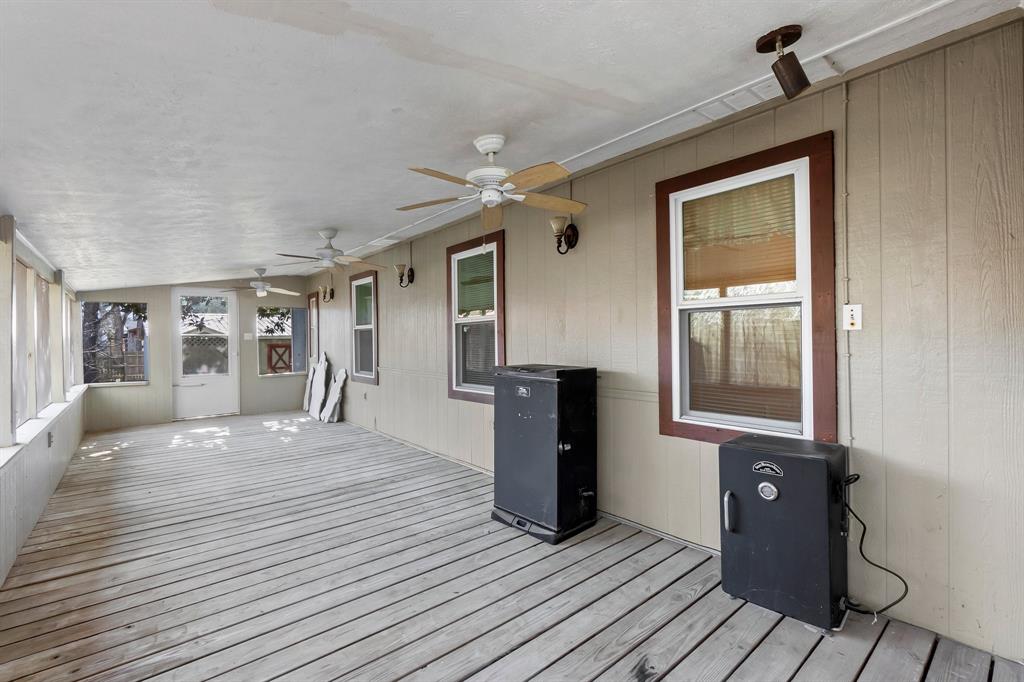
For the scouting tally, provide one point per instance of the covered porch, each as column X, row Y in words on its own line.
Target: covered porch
column 279, row 547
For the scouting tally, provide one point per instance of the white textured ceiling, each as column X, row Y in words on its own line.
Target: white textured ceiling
column 161, row 142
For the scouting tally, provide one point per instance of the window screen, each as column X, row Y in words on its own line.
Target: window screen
column 476, row 285
column 364, row 327
column 476, row 353
column 741, row 242
column 364, row 303
column 24, row 346
column 115, row 343
column 475, row 320
column 43, row 378
column 281, row 339
column 745, row 361
column 740, row 334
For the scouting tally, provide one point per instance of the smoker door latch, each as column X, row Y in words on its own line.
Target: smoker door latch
column 563, row 447
column 726, row 507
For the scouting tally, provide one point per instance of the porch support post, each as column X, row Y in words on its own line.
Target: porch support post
column 58, row 354
column 7, row 425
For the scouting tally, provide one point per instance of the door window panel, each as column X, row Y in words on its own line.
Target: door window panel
column 205, row 327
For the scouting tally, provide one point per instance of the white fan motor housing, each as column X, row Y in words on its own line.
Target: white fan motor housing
column 488, row 176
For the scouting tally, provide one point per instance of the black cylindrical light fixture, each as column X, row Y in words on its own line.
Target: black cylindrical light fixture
column 787, row 68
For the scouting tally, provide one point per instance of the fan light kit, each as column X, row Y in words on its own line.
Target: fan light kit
column 327, row 256
column 262, row 287
column 493, row 184
column 787, row 67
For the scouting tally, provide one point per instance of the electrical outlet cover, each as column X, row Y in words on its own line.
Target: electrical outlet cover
column 852, row 320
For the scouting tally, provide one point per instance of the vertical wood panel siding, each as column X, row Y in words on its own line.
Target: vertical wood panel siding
column 935, row 394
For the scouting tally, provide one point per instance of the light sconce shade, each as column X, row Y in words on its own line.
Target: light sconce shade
column 405, row 275
column 787, row 68
column 566, row 234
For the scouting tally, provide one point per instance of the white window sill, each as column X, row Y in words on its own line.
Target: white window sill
column 107, row 384
column 38, row 426
column 282, row 374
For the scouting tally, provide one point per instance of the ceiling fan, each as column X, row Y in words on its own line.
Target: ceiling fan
column 327, row 256
column 493, row 184
column 262, row 287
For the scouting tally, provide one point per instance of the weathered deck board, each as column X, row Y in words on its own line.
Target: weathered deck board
column 955, row 662
column 250, row 548
column 841, row 655
column 726, row 649
column 780, row 654
column 901, row 654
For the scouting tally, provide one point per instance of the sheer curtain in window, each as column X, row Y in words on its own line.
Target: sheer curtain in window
column 43, row 378
column 24, row 301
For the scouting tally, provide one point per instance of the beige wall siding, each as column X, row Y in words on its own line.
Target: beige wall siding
column 112, row 407
column 931, row 149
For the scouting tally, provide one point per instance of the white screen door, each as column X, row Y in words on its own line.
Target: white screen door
column 206, row 371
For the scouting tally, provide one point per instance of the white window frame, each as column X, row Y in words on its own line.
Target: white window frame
column 371, row 280
column 800, row 170
column 455, row 321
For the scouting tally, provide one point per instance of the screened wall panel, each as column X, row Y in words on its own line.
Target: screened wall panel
column 24, row 343
column 42, row 365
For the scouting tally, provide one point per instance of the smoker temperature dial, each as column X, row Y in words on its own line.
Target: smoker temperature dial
column 767, row 491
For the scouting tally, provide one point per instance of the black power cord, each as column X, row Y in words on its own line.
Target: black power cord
column 852, row 605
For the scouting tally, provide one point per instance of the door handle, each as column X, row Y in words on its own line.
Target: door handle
column 726, row 516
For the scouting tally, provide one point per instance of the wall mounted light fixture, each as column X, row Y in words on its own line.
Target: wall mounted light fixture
column 787, row 67
column 566, row 234
column 327, row 292
column 406, row 274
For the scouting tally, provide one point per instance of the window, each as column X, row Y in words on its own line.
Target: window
column 205, row 335
column 281, row 337
column 313, row 325
column 43, row 366
column 69, row 342
column 476, row 325
column 115, row 344
column 364, row 327
column 747, row 296
column 24, row 345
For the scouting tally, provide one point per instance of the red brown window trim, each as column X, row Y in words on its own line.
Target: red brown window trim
column 498, row 239
column 375, row 379
column 312, row 307
column 818, row 149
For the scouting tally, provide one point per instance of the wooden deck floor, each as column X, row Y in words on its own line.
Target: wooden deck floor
column 252, row 548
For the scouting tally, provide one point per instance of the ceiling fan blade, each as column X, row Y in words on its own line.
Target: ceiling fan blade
column 551, row 203
column 424, row 204
column 352, row 261
column 541, row 174
column 286, row 292
column 292, row 255
column 440, row 175
column 491, row 217
column 227, row 291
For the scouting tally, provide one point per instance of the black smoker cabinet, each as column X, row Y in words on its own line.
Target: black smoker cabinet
column 545, row 449
column 784, row 525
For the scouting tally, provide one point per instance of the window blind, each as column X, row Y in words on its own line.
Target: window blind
column 745, row 361
column 741, row 237
column 476, row 285
column 476, row 359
